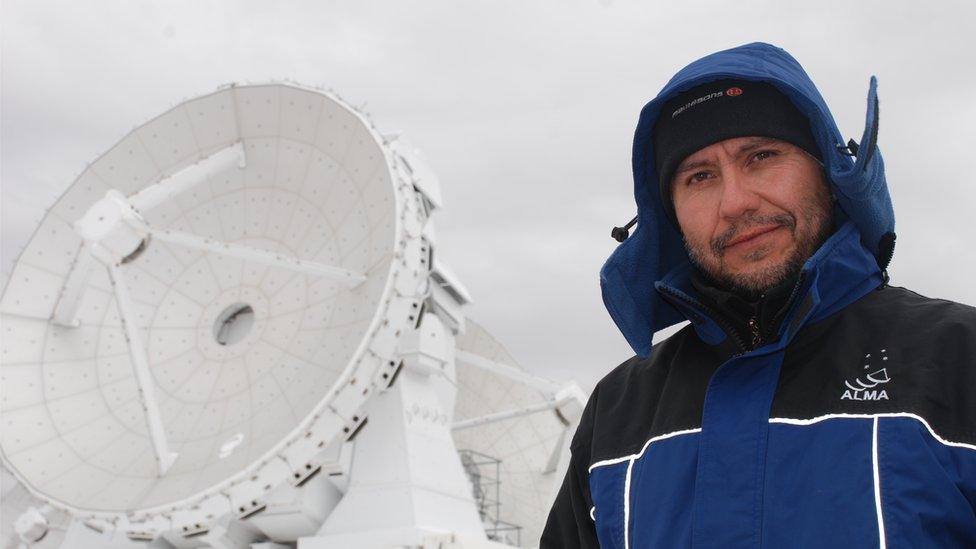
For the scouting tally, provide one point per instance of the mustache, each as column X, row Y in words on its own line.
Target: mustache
column 718, row 243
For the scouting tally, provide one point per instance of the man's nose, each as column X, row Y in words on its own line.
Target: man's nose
column 738, row 196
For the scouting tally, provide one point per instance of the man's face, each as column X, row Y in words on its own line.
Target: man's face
column 752, row 210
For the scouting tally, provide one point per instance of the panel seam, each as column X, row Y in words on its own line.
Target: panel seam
column 630, row 468
column 877, row 483
column 920, row 419
column 631, row 457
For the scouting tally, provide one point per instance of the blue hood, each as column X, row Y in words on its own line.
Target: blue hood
column 655, row 250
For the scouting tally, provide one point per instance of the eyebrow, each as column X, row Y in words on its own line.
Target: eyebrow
column 756, row 143
column 753, row 144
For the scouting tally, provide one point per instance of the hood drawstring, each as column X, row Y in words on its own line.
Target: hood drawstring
column 621, row 233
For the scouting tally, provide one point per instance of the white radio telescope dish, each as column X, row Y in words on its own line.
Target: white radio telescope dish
column 208, row 306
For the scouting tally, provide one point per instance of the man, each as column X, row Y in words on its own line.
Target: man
column 808, row 403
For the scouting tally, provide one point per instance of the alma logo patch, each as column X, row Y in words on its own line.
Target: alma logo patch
column 866, row 387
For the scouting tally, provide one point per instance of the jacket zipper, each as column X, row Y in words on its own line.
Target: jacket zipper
column 754, row 329
column 789, row 304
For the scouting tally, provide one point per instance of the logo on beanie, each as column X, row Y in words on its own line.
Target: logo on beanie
column 731, row 92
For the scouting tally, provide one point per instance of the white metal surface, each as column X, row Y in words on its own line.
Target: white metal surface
column 251, row 254
column 415, row 166
column 145, row 384
column 507, row 414
column 73, row 290
column 512, row 416
column 407, row 473
column 505, row 368
column 319, row 188
column 190, row 177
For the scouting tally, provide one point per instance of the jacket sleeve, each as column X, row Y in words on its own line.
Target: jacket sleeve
column 569, row 525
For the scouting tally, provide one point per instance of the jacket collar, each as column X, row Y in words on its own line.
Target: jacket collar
column 752, row 318
column 840, row 272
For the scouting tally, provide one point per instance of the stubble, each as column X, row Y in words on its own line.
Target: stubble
column 817, row 227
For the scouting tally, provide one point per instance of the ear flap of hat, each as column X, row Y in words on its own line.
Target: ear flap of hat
column 861, row 188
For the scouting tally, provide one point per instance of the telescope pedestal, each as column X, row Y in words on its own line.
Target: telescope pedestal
column 407, row 484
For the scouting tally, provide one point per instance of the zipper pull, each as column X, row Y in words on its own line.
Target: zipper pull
column 754, row 328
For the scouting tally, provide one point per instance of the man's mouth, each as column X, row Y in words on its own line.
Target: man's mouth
column 751, row 236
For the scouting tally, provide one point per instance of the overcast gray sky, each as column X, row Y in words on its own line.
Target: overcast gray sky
column 524, row 109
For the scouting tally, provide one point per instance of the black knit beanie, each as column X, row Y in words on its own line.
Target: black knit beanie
column 721, row 110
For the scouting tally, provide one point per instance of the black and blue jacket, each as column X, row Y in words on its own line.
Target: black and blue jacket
column 852, row 422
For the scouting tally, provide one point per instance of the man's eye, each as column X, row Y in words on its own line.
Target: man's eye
column 763, row 155
column 698, row 177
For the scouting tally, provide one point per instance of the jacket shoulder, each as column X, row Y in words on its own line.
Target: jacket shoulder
column 940, row 327
column 622, row 379
column 923, row 351
column 625, row 408
column 919, row 307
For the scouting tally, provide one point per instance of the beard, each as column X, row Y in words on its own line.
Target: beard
column 817, row 227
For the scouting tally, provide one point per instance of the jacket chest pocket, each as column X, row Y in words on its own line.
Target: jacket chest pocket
column 646, row 500
column 608, row 482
